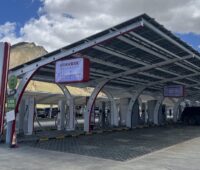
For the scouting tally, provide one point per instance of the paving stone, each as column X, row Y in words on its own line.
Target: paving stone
column 121, row 146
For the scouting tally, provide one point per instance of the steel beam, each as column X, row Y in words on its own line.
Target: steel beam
column 120, row 55
column 150, row 51
column 149, row 25
column 64, row 53
column 148, row 67
column 153, row 44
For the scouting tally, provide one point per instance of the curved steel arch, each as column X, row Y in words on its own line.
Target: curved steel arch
column 156, row 110
column 18, row 96
column 88, row 111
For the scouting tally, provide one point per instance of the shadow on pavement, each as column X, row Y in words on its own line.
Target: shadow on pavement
column 122, row 146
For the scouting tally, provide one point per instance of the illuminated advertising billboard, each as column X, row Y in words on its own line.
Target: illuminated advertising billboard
column 72, row 70
column 174, row 91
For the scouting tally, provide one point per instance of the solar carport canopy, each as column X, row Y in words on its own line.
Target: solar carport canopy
column 137, row 53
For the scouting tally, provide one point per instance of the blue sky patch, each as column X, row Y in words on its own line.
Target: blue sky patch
column 18, row 11
column 192, row 39
column 21, row 11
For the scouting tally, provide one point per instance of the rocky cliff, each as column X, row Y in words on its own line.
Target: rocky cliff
column 24, row 52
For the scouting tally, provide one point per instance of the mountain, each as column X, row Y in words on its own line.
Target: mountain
column 24, row 52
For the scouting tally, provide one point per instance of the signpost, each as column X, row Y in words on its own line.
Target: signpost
column 11, row 103
column 12, row 83
column 10, row 116
column 4, row 66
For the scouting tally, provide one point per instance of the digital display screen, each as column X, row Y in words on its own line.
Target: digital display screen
column 174, row 91
column 71, row 70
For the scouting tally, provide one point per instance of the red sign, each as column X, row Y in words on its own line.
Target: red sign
column 72, row 70
column 4, row 66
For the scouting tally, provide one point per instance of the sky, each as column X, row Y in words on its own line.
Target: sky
column 57, row 23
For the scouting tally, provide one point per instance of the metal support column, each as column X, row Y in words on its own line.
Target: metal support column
column 20, row 90
column 4, row 66
column 90, row 103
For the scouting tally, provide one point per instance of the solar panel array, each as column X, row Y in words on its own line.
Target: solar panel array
column 149, row 44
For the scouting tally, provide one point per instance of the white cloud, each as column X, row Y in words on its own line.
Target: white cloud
column 65, row 21
column 7, row 33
